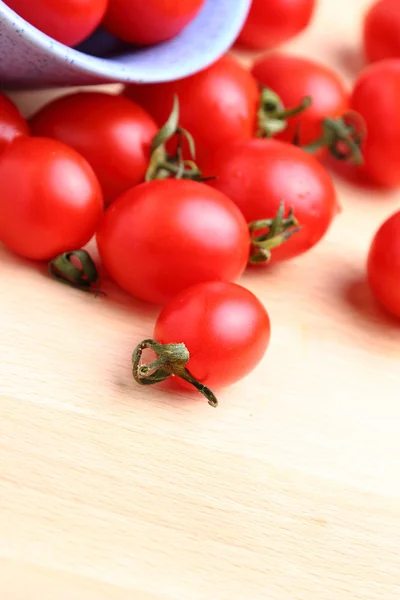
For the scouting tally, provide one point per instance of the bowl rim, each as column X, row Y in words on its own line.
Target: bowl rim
column 115, row 71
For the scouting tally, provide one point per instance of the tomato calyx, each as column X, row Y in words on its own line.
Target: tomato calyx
column 276, row 232
column 343, row 136
column 81, row 274
column 171, row 361
column 272, row 116
column 163, row 165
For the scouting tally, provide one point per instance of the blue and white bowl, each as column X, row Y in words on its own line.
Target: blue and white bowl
column 29, row 58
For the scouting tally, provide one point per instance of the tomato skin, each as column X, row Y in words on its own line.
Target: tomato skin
column 217, row 106
column 164, row 236
column 111, row 132
column 12, row 123
column 383, row 265
column 150, row 21
column 259, row 174
column 376, row 96
column 50, row 199
column 381, row 31
column 67, row 21
column 223, row 325
column 293, row 78
column 272, row 22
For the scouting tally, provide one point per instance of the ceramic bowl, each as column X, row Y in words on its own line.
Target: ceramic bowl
column 32, row 59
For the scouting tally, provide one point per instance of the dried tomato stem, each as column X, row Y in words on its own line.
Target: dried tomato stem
column 277, row 232
column 81, row 277
column 171, row 361
column 186, row 170
column 272, row 115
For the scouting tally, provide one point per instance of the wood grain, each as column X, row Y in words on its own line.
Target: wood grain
column 290, row 490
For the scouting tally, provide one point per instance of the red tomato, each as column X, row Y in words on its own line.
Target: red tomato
column 146, row 22
column 12, row 123
column 111, row 132
column 224, row 326
column 272, row 22
column 382, row 31
column 293, row 78
column 384, row 265
column 164, row 236
column 67, row 21
column 217, row 105
column 376, row 96
column 259, row 174
column 50, row 199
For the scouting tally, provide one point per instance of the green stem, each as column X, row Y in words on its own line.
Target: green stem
column 171, row 361
column 276, row 232
column 272, row 116
column 81, row 277
column 162, row 165
column 342, row 136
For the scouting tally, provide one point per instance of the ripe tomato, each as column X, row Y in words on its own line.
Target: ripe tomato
column 384, row 265
column 223, row 325
column 211, row 334
column 376, row 97
column 111, row 132
column 12, row 123
column 217, row 105
column 382, row 31
column 50, row 199
column 150, row 21
column 293, row 78
column 272, row 22
column 67, row 21
column 163, row 236
column 258, row 174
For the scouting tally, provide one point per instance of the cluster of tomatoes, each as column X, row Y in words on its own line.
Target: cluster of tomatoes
column 200, row 178
column 138, row 22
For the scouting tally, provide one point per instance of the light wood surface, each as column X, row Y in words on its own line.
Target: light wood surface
column 290, row 490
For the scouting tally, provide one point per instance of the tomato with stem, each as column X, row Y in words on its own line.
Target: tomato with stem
column 259, row 174
column 50, row 199
column 211, row 334
column 383, row 265
column 111, row 132
column 146, row 22
column 67, row 21
column 293, row 78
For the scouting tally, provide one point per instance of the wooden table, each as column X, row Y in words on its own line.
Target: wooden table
column 290, row 490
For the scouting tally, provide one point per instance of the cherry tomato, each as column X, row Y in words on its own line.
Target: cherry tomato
column 384, row 265
column 111, row 132
column 272, row 22
column 223, row 325
column 164, row 236
column 217, row 105
column 146, row 22
column 50, row 199
column 376, row 97
column 67, row 21
column 12, row 123
column 259, row 174
column 382, row 31
column 293, row 78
